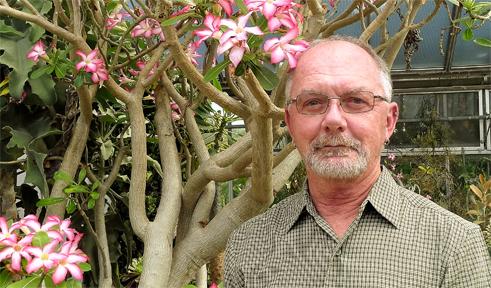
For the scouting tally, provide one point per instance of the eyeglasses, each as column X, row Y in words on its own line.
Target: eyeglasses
column 311, row 103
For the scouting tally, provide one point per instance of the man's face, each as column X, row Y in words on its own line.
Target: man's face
column 336, row 144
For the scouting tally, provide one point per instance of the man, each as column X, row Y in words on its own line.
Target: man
column 353, row 226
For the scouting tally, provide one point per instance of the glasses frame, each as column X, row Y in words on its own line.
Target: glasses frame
column 340, row 103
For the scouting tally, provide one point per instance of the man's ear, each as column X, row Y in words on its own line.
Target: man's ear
column 392, row 117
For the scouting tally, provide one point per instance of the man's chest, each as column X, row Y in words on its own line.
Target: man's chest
column 372, row 256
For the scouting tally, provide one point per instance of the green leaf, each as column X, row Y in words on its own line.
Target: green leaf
column 72, row 283
column 266, row 77
column 174, row 20
column 14, row 56
column 71, row 206
column 81, row 175
column 156, row 165
column 95, row 185
column 213, row 72
column 483, row 42
column 107, row 149
column 90, row 203
column 242, row 7
column 40, row 239
column 29, row 282
column 62, row 176
column 84, row 266
column 49, row 201
column 217, row 84
column 79, row 80
column 44, row 88
column 43, row 70
column 5, row 278
column 8, row 30
column 76, row 189
column 35, row 171
column 94, row 195
column 468, row 34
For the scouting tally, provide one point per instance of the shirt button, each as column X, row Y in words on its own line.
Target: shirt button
column 337, row 253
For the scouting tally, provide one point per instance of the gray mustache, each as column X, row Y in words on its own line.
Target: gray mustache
column 335, row 140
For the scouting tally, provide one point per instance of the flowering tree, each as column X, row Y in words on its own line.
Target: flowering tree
column 97, row 90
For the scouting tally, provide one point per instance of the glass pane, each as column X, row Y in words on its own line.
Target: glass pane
column 416, row 106
column 463, row 104
column 465, row 133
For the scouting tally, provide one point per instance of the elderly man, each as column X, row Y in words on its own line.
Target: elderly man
column 353, row 226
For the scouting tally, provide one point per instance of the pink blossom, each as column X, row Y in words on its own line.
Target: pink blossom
column 38, row 50
column 31, row 225
column 227, row 6
column 267, row 7
column 238, row 30
column 287, row 17
column 281, row 48
column 141, row 64
column 45, row 257
column 184, row 9
column 63, row 226
column 16, row 251
column 192, row 54
column 237, row 51
column 6, row 232
column 391, row 156
column 70, row 256
column 332, row 2
column 89, row 62
column 213, row 285
column 99, row 76
column 114, row 20
column 148, row 28
column 212, row 24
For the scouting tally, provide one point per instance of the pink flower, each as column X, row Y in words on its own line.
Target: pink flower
column 45, row 257
column 148, row 28
column 5, row 231
column 16, row 251
column 89, row 62
column 213, row 285
column 212, row 24
column 184, row 9
column 114, row 20
column 192, row 54
column 287, row 17
column 31, row 225
column 237, row 51
column 267, row 7
column 38, row 50
column 235, row 38
column 100, row 75
column 63, row 226
column 280, row 48
column 238, row 30
column 391, row 156
column 227, row 6
column 70, row 256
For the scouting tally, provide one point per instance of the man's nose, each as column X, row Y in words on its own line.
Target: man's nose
column 334, row 119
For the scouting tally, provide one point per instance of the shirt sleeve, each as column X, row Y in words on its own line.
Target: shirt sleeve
column 233, row 275
column 470, row 264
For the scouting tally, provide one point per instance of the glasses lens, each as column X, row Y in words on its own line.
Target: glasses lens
column 357, row 101
column 311, row 103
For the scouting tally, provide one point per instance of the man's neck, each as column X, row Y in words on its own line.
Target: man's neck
column 339, row 202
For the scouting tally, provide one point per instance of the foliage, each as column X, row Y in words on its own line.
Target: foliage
column 477, row 15
column 481, row 202
column 33, row 254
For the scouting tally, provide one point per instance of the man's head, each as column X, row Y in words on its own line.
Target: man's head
column 340, row 138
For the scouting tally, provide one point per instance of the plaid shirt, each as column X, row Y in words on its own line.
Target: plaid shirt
column 399, row 239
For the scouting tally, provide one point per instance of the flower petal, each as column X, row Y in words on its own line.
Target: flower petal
column 236, row 55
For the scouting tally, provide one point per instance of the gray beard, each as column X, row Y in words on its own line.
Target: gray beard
column 340, row 169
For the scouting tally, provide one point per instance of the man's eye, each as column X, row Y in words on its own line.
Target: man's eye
column 313, row 102
column 355, row 101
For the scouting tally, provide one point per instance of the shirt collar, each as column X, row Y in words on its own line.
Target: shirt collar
column 383, row 197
